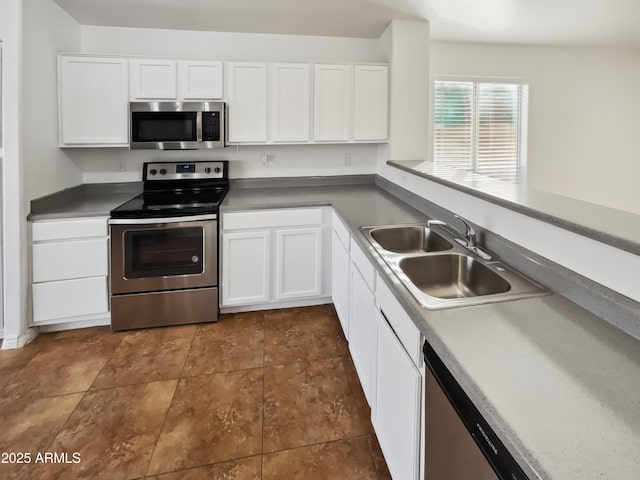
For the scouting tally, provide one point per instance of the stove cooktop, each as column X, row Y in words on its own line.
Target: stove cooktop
column 174, row 189
column 171, row 204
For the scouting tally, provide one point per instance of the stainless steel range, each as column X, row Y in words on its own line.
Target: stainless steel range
column 164, row 247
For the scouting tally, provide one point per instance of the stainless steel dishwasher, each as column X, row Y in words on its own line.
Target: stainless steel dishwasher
column 459, row 444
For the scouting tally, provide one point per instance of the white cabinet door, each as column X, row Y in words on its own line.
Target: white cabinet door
column 245, row 267
column 333, row 102
column 199, row 80
column 371, row 105
column 247, row 102
column 290, row 102
column 70, row 259
column 397, row 418
column 56, row 301
column 153, row 79
column 298, row 263
column 340, row 282
column 93, row 101
column 362, row 332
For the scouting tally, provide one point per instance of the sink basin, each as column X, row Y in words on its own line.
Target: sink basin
column 409, row 239
column 441, row 272
column 452, row 276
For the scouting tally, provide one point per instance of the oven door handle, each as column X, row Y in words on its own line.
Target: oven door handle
column 153, row 221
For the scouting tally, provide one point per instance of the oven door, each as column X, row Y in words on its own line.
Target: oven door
column 150, row 255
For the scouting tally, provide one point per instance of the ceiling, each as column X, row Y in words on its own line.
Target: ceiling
column 561, row 22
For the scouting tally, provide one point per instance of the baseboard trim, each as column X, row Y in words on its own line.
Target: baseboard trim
column 19, row 341
column 307, row 302
column 91, row 322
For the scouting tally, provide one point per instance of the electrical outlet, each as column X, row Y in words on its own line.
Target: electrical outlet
column 264, row 160
column 122, row 165
column 346, row 159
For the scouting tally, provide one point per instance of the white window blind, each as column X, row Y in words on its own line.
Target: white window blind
column 481, row 127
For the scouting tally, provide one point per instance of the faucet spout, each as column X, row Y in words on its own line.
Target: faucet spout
column 470, row 233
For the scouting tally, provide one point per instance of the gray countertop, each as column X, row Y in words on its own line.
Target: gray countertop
column 618, row 228
column 87, row 200
column 560, row 386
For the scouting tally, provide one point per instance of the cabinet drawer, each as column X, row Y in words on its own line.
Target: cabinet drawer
column 360, row 260
column 341, row 231
column 402, row 325
column 257, row 219
column 67, row 260
column 71, row 228
column 69, row 298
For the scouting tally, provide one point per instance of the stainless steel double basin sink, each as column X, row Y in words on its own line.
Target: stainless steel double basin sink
column 440, row 272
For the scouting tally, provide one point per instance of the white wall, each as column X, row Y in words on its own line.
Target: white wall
column 227, row 46
column 14, row 285
column 602, row 263
column 584, row 114
column 47, row 30
column 407, row 46
column 103, row 165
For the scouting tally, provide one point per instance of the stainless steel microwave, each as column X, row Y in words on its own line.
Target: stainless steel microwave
column 176, row 125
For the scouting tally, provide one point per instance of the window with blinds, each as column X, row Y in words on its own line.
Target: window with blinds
column 481, row 127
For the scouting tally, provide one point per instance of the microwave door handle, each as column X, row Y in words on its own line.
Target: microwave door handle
column 199, row 126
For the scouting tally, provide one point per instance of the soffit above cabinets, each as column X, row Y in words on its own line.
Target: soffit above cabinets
column 559, row 22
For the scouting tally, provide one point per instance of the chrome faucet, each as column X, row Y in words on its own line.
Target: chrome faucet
column 469, row 236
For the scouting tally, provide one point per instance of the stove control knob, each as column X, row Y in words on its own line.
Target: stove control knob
column 163, row 171
column 217, row 170
column 207, row 170
column 153, row 171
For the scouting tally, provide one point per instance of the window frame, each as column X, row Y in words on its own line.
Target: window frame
column 523, row 124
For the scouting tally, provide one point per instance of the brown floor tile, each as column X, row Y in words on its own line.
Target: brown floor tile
column 114, row 431
column 243, row 469
column 356, row 390
column 212, row 418
column 236, row 342
column 61, row 367
column 296, row 334
column 147, row 356
column 340, row 460
column 12, row 361
column 308, row 403
column 378, row 458
column 31, row 428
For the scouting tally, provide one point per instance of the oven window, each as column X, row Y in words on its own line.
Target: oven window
column 163, row 252
column 163, row 127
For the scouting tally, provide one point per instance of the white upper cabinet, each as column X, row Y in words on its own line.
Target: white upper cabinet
column 247, row 102
column 290, row 102
column 153, row 79
column 92, row 101
column 333, row 102
column 371, row 105
column 199, row 80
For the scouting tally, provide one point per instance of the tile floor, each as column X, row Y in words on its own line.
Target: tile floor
column 264, row 395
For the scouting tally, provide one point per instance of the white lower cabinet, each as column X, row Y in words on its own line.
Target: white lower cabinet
column 281, row 262
column 245, row 267
column 67, row 300
column 70, row 268
column 298, row 269
column 340, row 281
column 397, row 417
column 363, row 332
